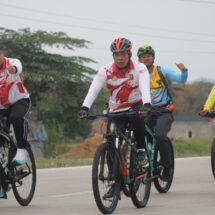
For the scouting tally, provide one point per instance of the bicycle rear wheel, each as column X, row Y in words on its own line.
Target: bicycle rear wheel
column 105, row 174
column 24, row 180
column 140, row 186
column 161, row 185
column 213, row 157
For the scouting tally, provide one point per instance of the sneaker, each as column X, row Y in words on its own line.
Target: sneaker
column 21, row 157
column 142, row 160
column 2, row 193
column 166, row 174
column 110, row 193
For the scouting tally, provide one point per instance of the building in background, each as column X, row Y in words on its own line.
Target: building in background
column 189, row 125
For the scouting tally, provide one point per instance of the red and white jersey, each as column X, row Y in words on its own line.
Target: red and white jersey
column 126, row 88
column 11, row 86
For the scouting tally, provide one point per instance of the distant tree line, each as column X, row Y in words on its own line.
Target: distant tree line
column 58, row 83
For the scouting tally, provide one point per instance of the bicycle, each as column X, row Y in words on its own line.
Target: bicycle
column 21, row 177
column 117, row 165
column 212, row 115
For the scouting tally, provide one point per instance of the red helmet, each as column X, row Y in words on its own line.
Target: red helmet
column 120, row 45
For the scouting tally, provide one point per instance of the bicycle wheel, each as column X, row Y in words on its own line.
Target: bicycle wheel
column 163, row 186
column 140, row 186
column 213, row 157
column 125, row 189
column 105, row 174
column 24, row 180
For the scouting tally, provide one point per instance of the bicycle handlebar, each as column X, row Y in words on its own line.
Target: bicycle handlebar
column 211, row 114
column 115, row 115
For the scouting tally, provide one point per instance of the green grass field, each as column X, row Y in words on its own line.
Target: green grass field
column 192, row 147
column 183, row 148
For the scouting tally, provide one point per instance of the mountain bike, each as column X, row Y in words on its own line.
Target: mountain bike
column 116, row 166
column 212, row 115
column 22, row 178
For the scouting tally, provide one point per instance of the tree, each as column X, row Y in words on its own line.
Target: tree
column 57, row 83
column 191, row 97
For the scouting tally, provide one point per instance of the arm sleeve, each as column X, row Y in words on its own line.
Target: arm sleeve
column 144, row 83
column 17, row 64
column 97, row 84
column 210, row 100
column 173, row 76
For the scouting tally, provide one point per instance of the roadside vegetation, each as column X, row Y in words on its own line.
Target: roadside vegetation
column 182, row 148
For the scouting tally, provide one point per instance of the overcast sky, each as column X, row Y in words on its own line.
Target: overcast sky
column 178, row 30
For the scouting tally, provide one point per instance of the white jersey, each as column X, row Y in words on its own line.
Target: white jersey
column 11, row 86
column 126, row 88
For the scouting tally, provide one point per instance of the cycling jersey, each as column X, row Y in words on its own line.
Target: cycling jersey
column 159, row 95
column 210, row 100
column 11, row 86
column 126, row 88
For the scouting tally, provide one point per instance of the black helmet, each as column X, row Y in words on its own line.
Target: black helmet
column 120, row 44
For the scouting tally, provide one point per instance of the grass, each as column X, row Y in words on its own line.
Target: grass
column 192, row 147
column 182, row 148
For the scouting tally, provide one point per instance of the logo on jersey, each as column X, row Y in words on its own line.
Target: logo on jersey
column 114, row 78
column 131, row 77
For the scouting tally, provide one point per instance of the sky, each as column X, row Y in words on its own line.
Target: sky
column 180, row 31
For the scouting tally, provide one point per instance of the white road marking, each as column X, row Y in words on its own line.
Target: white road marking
column 63, row 168
column 193, row 158
column 70, row 194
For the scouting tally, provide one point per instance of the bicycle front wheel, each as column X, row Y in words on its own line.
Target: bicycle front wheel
column 140, row 185
column 24, row 180
column 213, row 157
column 105, row 178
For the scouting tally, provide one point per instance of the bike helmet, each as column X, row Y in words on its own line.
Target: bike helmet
column 145, row 50
column 120, row 45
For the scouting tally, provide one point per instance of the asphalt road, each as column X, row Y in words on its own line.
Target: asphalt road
column 68, row 191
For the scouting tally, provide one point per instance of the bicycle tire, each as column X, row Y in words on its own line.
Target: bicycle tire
column 16, row 171
column 126, row 191
column 141, row 184
column 161, row 186
column 105, row 153
column 213, row 157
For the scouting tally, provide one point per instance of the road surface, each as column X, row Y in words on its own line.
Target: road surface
column 67, row 191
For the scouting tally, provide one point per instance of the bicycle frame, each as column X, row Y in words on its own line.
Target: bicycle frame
column 150, row 147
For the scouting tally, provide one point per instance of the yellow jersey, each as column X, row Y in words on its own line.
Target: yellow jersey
column 210, row 100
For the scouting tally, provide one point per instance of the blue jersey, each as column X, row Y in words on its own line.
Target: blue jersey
column 158, row 90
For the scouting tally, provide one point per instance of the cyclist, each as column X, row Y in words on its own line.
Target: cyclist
column 128, row 85
column 14, row 102
column 209, row 103
column 161, row 101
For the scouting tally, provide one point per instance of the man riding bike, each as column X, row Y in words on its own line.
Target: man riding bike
column 209, row 103
column 161, row 101
column 128, row 85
